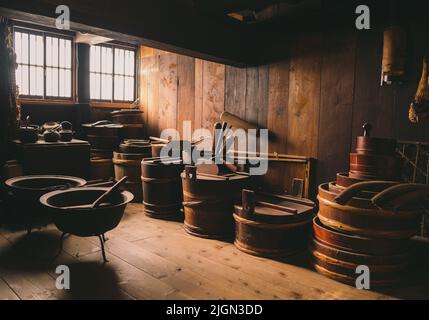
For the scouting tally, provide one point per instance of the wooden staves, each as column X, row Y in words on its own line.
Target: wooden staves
column 162, row 187
column 272, row 226
column 132, row 121
column 209, row 202
column 361, row 217
column 129, row 164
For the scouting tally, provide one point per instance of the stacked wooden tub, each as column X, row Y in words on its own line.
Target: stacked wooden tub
column 127, row 162
column 362, row 221
column 132, row 122
column 162, row 187
column 209, row 202
column 272, row 225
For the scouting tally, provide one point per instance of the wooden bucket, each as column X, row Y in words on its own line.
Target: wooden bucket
column 132, row 131
column 101, row 168
column 361, row 217
column 127, row 116
column 375, row 146
column 374, row 166
column 129, row 164
column 209, row 202
column 341, row 265
column 162, row 187
column 272, row 226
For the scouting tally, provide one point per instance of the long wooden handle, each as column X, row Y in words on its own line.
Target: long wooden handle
column 396, row 191
column 348, row 193
column 109, row 192
column 236, row 121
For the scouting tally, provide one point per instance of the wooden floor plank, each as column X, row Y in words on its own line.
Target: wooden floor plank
column 156, row 259
column 6, row 293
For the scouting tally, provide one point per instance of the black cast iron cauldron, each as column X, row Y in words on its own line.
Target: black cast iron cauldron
column 23, row 209
column 85, row 222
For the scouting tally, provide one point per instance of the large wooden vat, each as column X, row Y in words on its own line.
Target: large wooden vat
column 162, row 187
column 209, row 202
column 129, row 164
column 361, row 217
column 272, row 226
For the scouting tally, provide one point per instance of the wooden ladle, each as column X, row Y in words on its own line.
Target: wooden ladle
column 103, row 197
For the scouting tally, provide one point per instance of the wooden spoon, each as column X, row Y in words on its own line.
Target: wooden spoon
column 103, row 197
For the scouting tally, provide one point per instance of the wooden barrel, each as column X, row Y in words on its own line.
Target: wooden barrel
column 341, row 265
column 100, row 153
column 361, row 217
column 129, row 164
column 135, row 146
column 209, row 202
column 272, row 226
column 104, row 129
column 127, row 116
column 132, row 131
column 101, row 168
column 162, row 187
column 375, row 146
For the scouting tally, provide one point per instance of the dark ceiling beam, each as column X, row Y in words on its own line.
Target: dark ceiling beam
column 228, row 6
column 163, row 24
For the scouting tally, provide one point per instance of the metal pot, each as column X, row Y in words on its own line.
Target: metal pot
column 24, row 209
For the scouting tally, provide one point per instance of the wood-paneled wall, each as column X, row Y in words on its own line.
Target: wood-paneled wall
column 314, row 100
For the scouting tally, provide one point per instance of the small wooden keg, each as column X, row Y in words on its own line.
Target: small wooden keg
column 272, row 226
column 129, row 164
column 162, row 187
column 209, row 202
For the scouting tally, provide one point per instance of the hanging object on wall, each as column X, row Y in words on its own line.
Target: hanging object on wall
column 419, row 108
column 394, row 55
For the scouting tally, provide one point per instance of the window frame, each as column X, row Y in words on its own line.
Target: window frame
column 113, row 101
column 47, row 32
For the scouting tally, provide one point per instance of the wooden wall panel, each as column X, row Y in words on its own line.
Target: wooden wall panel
column 168, row 91
column 199, row 72
column 186, row 92
column 152, row 95
column 336, row 108
column 213, row 93
column 277, row 122
column 235, row 91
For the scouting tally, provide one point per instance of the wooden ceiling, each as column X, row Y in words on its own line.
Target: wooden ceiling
column 199, row 28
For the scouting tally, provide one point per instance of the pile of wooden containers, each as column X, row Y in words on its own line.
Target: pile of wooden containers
column 357, row 223
column 104, row 137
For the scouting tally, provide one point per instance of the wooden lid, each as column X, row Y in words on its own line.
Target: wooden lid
column 192, row 174
column 272, row 208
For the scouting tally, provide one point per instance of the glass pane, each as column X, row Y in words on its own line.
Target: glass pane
column 61, row 83
column 119, row 61
column 131, row 60
column 17, row 44
column 52, row 82
column 95, row 59
column 94, row 86
column 107, row 60
column 129, row 88
column 24, row 80
column 55, row 52
column 68, row 84
column 32, row 80
column 106, row 87
column 119, row 88
column 48, row 51
column 24, row 48
column 62, row 52
column 39, row 81
column 39, row 50
column 68, row 54
column 32, row 50
column 49, row 81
